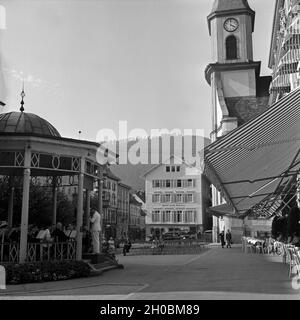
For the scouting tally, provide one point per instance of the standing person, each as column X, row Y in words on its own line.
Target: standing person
column 111, row 244
column 228, row 239
column 222, row 237
column 95, row 219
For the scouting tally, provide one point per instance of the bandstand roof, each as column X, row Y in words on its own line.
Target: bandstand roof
column 21, row 122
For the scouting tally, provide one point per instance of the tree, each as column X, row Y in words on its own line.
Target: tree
column 40, row 203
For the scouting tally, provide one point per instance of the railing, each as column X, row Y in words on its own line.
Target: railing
column 172, row 247
column 9, row 252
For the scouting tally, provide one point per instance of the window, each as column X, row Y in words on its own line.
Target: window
column 156, row 216
column 113, row 199
column 231, row 48
column 168, row 184
column 189, row 197
column 179, row 183
column 168, row 169
column 178, row 168
column 190, row 183
column 165, row 198
column 155, row 198
column 155, row 183
column 173, row 168
column 179, row 197
column 167, row 216
column 178, row 216
column 189, row 216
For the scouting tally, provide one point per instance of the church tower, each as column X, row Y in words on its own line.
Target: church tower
column 238, row 91
column 233, row 75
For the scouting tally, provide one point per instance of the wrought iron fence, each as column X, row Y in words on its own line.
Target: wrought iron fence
column 9, row 252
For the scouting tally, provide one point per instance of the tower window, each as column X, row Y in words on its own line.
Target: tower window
column 231, row 48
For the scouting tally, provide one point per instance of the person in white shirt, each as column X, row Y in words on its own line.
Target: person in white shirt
column 95, row 220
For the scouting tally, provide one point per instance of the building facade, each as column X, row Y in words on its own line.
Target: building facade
column 239, row 93
column 285, row 49
column 136, row 220
column 123, row 211
column 174, row 200
column 110, row 203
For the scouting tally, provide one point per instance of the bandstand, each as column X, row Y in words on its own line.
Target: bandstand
column 31, row 147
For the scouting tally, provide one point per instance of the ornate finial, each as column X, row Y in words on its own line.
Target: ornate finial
column 22, row 101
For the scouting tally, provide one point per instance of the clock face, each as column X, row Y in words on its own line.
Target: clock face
column 231, row 25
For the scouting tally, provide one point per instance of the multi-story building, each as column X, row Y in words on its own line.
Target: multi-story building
column 136, row 220
column 284, row 59
column 285, row 48
column 123, row 211
column 174, row 199
column 110, row 203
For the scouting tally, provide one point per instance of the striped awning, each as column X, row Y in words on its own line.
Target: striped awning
column 258, row 160
column 292, row 56
column 281, row 83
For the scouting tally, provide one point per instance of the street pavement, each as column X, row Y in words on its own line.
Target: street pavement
column 214, row 274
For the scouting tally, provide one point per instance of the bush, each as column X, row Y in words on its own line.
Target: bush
column 45, row 271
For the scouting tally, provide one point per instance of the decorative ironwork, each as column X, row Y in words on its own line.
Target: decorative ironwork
column 49, row 181
column 19, row 159
column 13, row 252
column 35, row 160
column 44, row 251
column 55, row 162
column 75, row 164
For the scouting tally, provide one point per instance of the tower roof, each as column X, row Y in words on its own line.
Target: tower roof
column 230, row 7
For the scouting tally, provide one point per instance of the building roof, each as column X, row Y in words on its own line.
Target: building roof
column 27, row 123
column 134, row 201
column 231, row 7
column 121, row 184
column 107, row 173
column 225, row 5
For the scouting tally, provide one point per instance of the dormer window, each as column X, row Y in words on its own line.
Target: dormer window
column 231, row 48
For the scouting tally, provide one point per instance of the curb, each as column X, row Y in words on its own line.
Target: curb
column 98, row 272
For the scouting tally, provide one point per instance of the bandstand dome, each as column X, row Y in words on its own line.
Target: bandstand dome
column 26, row 123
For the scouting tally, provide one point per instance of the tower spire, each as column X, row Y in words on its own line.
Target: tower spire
column 22, row 96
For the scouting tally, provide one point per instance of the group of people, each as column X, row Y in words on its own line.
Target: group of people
column 91, row 238
column 57, row 233
column 286, row 228
column 227, row 237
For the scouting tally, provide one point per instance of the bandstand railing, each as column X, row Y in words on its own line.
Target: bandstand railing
column 36, row 251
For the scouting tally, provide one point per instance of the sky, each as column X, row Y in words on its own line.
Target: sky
column 88, row 64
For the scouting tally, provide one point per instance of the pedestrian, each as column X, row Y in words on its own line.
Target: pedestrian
column 111, row 244
column 95, row 220
column 228, row 239
column 126, row 247
column 222, row 237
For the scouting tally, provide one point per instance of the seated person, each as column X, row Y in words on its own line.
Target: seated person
column 32, row 234
column 58, row 235
column 71, row 232
column 44, row 234
column 15, row 234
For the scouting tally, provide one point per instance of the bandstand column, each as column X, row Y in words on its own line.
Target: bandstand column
column 54, row 199
column 25, row 205
column 87, row 208
column 11, row 207
column 79, row 219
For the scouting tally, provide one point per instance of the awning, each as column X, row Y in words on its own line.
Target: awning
column 281, row 83
column 221, row 210
column 258, row 162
